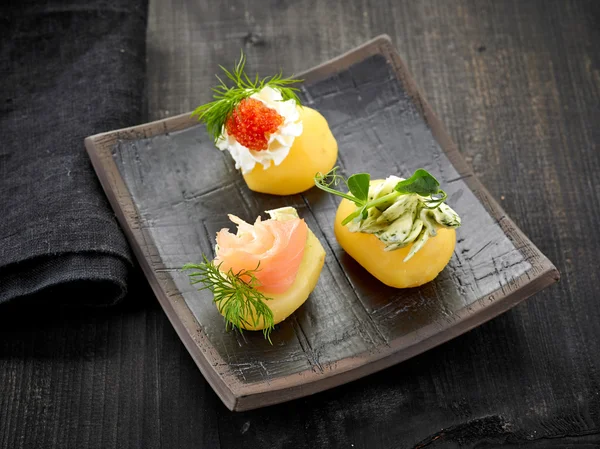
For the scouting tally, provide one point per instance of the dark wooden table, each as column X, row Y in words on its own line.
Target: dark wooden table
column 518, row 85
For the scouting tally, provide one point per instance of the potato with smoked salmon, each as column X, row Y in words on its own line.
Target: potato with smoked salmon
column 277, row 143
column 399, row 230
column 264, row 272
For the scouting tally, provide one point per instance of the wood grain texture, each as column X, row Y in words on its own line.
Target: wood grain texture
column 518, row 86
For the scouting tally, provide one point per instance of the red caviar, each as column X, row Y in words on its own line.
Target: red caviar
column 251, row 123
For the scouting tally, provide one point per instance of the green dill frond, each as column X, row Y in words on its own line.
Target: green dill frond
column 225, row 98
column 235, row 295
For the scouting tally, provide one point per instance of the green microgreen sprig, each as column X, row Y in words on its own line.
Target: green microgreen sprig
column 235, row 295
column 420, row 183
column 216, row 113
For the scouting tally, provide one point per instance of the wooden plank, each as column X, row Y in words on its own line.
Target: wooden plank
column 517, row 84
column 478, row 63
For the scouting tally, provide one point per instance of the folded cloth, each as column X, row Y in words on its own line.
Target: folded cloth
column 69, row 69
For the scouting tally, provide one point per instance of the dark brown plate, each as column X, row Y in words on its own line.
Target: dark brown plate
column 171, row 190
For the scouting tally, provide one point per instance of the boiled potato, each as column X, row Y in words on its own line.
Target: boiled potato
column 389, row 266
column 284, row 304
column 315, row 150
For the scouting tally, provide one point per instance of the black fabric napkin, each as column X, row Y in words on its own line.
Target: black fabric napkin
column 69, row 69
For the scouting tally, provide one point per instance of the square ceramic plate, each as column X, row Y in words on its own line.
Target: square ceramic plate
column 171, row 190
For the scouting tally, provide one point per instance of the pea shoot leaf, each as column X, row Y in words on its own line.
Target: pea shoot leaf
column 358, row 185
column 421, row 182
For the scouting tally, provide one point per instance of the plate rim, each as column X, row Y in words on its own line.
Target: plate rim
column 238, row 396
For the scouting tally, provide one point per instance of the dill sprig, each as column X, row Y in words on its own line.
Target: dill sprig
column 234, row 294
column 216, row 112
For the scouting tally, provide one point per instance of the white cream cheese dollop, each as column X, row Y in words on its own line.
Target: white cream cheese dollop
column 280, row 142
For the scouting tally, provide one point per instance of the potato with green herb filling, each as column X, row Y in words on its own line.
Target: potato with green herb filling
column 399, row 230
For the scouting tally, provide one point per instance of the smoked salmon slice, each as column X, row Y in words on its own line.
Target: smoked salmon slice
column 276, row 247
